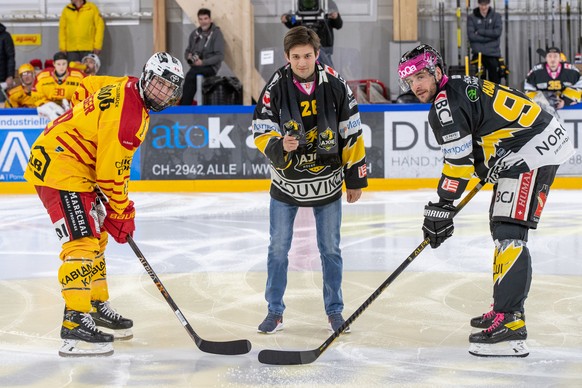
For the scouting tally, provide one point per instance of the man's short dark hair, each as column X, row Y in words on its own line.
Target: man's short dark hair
column 484, row 2
column 298, row 36
column 59, row 55
column 204, row 11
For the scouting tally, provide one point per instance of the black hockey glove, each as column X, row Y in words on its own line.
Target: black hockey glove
column 438, row 222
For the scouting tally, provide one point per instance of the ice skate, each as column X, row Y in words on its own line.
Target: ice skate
column 105, row 316
column 485, row 320
column 81, row 338
column 504, row 338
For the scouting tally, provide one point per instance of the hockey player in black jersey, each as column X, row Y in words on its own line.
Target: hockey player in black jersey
column 554, row 84
column 500, row 135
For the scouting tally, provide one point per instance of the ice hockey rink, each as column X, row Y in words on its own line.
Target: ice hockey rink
column 209, row 250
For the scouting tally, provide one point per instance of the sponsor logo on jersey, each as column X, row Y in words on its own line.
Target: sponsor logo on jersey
column 523, row 196
column 451, row 136
column 316, row 188
column 123, row 165
column 472, row 93
column 442, row 108
column 553, row 142
column 458, row 149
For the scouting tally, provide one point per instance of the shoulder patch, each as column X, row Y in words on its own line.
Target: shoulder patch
column 472, row 93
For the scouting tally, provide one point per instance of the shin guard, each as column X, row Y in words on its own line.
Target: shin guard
column 75, row 279
column 511, row 275
column 76, row 272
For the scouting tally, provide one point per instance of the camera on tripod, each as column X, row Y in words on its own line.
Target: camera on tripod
column 310, row 12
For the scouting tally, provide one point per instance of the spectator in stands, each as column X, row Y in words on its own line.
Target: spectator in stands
column 204, row 54
column 25, row 96
column 484, row 29
column 324, row 26
column 81, row 30
column 7, row 62
column 58, row 84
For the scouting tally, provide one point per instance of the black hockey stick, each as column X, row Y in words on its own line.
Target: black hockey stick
column 299, row 357
column 224, row 348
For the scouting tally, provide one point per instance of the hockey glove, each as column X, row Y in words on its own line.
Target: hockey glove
column 119, row 226
column 438, row 222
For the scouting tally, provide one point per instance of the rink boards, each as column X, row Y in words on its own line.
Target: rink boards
column 211, row 148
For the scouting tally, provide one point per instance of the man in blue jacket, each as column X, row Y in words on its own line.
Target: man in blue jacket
column 484, row 30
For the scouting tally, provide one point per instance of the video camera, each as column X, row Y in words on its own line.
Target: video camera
column 309, row 12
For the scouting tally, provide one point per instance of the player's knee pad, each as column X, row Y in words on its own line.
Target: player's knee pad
column 83, row 247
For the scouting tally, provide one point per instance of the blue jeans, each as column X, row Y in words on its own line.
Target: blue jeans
column 327, row 222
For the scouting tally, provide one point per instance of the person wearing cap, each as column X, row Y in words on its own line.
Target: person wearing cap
column 59, row 83
column 484, row 30
column 554, row 83
column 81, row 30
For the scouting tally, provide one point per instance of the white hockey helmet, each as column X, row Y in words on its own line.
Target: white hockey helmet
column 167, row 70
column 95, row 59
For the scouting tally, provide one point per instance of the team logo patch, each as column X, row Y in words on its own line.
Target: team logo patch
column 472, row 93
column 450, row 185
column 327, row 139
column 442, row 108
column 362, row 171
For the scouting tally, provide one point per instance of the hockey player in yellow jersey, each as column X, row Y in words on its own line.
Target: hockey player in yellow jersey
column 25, row 96
column 59, row 84
column 80, row 167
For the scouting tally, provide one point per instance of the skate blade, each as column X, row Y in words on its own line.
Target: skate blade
column 77, row 348
column 120, row 335
column 501, row 349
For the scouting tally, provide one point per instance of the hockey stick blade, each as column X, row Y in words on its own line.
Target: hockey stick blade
column 301, row 357
column 227, row 348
